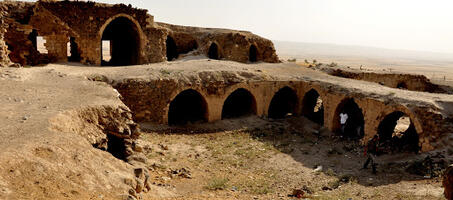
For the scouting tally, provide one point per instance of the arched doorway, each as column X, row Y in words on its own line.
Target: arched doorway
column 355, row 123
column 283, row 103
column 313, row 107
column 172, row 51
column 397, row 133
column 240, row 103
column 123, row 37
column 253, row 53
column 188, row 106
column 214, row 51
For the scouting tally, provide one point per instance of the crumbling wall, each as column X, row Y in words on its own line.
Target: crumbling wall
column 4, row 60
column 233, row 45
column 150, row 99
column 85, row 22
column 402, row 81
column 88, row 19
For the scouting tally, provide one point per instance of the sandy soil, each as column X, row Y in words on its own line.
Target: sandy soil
column 270, row 160
column 41, row 163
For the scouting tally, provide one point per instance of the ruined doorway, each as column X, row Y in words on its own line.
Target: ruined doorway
column 116, row 146
column 124, row 40
column 397, row 134
column 283, row 103
column 73, row 48
column 355, row 124
column 214, row 52
column 240, row 103
column 172, row 51
column 253, row 54
column 188, row 107
column 313, row 107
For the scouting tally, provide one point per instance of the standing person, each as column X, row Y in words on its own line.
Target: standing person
column 343, row 119
column 371, row 150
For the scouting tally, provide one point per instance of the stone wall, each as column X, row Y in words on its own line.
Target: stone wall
column 233, row 45
column 402, row 81
column 85, row 22
column 4, row 60
column 150, row 101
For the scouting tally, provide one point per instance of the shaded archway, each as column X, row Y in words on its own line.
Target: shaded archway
column 214, row 51
column 283, row 103
column 397, row 133
column 172, row 51
column 355, row 123
column 401, row 85
column 240, row 103
column 312, row 107
column 74, row 50
column 124, row 38
column 188, row 106
column 253, row 53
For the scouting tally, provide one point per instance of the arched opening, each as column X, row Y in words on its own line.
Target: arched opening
column 240, row 103
column 401, row 85
column 213, row 51
column 253, row 54
column 73, row 51
column 397, row 134
column 188, row 107
column 354, row 124
column 124, row 41
column 283, row 103
column 33, row 37
column 172, row 51
column 313, row 107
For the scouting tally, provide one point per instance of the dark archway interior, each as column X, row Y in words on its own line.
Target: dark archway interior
column 355, row 123
column 253, row 54
column 240, row 103
column 283, row 103
column 188, row 106
column 124, row 42
column 116, row 146
column 33, row 37
column 401, row 85
column 313, row 107
column 213, row 51
column 397, row 134
column 74, row 49
column 172, row 51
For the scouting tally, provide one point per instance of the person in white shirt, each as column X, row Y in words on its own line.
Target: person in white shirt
column 343, row 119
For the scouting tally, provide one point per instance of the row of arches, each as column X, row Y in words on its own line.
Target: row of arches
column 213, row 51
column 397, row 131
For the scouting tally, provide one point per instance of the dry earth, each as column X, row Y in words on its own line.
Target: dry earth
column 243, row 159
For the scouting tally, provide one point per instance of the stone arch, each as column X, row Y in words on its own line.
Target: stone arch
column 213, row 52
column 313, row 107
column 189, row 106
column 283, row 103
column 239, row 103
column 397, row 133
column 125, row 36
column 253, row 53
column 172, row 49
column 355, row 124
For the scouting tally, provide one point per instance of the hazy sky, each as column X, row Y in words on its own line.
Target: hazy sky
column 425, row 25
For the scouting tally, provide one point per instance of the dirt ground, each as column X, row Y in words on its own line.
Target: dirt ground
column 257, row 158
column 249, row 158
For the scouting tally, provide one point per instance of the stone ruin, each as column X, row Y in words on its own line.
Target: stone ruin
column 74, row 30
